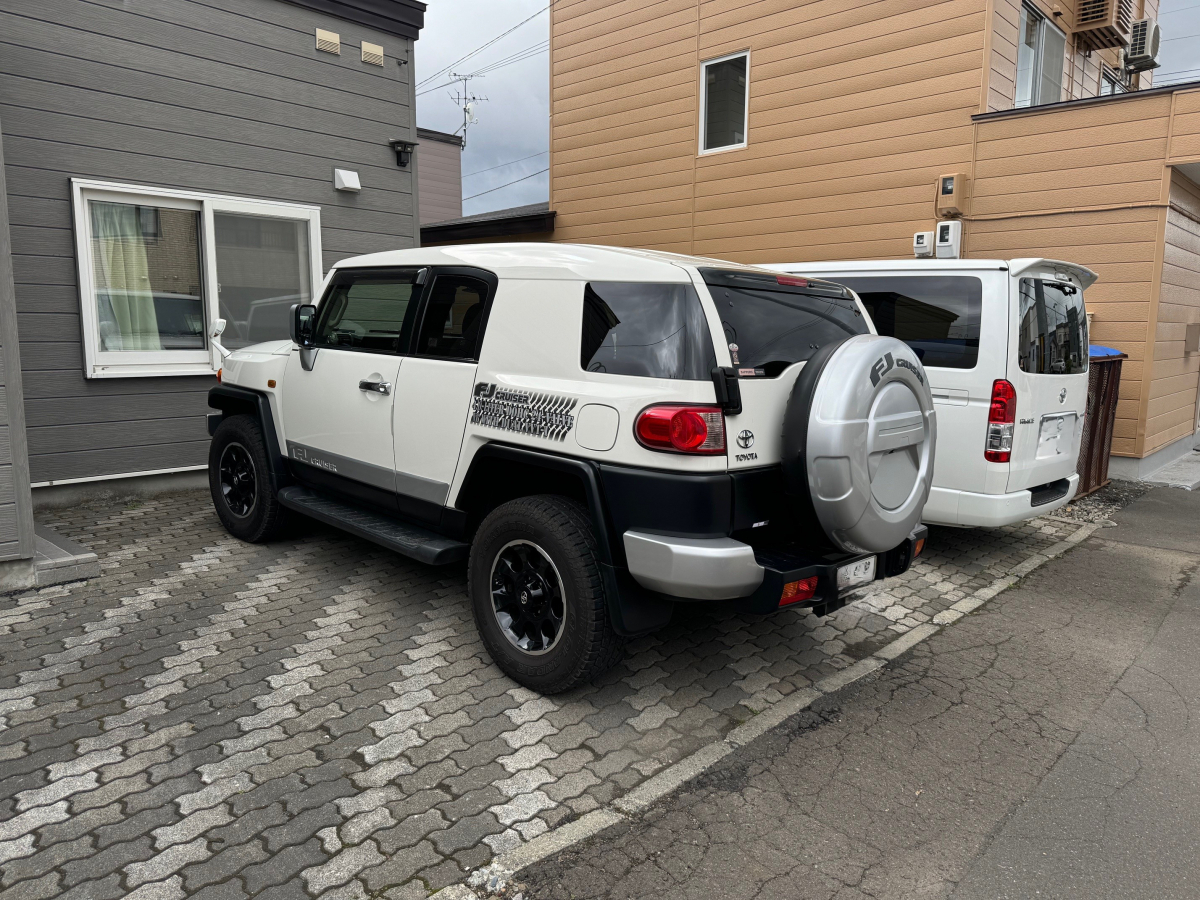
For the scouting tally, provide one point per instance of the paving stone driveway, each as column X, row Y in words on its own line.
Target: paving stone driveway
column 315, row 718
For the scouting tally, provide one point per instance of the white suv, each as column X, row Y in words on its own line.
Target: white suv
column 603, row 432
column 1005, row 344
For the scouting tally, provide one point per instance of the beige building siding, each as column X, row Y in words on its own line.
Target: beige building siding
column 853, row 115
column 439, row 178
column 1171, row 413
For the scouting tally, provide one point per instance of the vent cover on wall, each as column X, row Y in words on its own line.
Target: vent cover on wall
column 328, row 41
column 372, row 53
column 1104, row 23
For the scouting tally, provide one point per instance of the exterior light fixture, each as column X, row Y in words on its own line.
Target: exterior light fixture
column 404, row 151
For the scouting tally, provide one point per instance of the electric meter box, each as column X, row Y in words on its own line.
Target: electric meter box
column 923, row 245
column 949, row 240
column 952, row 195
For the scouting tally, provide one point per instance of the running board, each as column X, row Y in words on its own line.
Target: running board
column 412, row 541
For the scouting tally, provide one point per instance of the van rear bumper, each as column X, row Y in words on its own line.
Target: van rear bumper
column 965, row 508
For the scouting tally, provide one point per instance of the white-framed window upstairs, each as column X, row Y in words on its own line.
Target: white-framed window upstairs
column 157, row 266
column 1041, row 58
column 724, row 102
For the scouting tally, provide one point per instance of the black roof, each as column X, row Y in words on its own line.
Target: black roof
column 403, row 18
column 534, row 218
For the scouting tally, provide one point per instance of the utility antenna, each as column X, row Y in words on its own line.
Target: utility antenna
column 468, row 101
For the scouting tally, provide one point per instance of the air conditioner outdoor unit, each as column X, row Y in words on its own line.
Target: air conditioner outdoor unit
column 1103, row 23
column 1142, row 54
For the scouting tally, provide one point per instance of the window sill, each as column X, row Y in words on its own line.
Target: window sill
column 150, row 371
column 731, row 148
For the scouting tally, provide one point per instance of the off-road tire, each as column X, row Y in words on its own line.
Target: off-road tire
column 561, row 528
column 266, row 518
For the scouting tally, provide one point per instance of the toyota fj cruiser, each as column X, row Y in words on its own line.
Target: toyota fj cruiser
column 602, row 433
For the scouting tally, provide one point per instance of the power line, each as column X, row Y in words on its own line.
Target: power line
column 507, row 184
column 502, row 165
column 519, row 56
column 477, row 50
column 1182, row 37
column 1171, row 12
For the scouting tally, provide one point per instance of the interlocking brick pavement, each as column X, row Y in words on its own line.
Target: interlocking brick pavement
column 316, row 718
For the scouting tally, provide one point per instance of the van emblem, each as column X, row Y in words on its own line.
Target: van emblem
column 745, row 439
column 1062, row 396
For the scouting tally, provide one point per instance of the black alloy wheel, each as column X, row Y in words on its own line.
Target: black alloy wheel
column 527, row 597
column 239, row 485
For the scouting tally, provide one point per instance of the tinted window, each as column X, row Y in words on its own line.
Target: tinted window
column 725, row 103
column 770, row 325
column 368, row 309
column 652, row 330
column 453, row 322
column 936, row 315
column 1052, row 337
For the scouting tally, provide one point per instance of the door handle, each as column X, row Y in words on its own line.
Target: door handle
column 375, row 387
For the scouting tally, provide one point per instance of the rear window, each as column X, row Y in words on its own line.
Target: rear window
column 1052, row 338
column 772, row 321
column 937, row 315
column 652, row 330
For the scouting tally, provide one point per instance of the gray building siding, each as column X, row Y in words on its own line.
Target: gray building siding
column 222, row 96
column 16, row 513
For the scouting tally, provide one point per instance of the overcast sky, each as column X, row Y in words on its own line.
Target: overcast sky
column 513, row 122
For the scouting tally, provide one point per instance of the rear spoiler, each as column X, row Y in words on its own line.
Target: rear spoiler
column 1085, row 275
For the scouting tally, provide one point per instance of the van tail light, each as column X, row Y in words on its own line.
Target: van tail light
column 1002, row 418
column 796, row 591
column 682, row 429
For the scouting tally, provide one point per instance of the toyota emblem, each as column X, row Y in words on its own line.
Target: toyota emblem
column 1062, row 396
column 745, row 439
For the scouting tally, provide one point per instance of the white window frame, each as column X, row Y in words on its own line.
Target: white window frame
column 704, row 64
column 147, row 364
column 1044, row 23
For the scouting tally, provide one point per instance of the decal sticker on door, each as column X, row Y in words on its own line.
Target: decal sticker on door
column 525, row 412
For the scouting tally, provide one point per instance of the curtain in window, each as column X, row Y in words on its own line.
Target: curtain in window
column 122, row 274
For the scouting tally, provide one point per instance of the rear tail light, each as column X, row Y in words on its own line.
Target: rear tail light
column 791, row 281
column 1002, row 419
column 795, row 591
column 682, row 429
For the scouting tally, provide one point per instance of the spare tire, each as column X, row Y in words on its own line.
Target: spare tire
column 858, row 442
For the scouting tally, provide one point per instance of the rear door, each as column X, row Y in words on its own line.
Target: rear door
column 1048, row 366
column 942, row 316
column 434, row 387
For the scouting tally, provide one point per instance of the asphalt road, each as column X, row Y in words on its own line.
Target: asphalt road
column 1045, row 746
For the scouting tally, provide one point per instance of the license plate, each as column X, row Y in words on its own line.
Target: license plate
column 856, row 573
column 1055, row 435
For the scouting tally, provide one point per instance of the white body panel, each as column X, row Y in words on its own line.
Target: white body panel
column 967, row 489
column 328, row 421
column 432, row 401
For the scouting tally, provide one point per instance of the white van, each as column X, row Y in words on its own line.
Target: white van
column 1005, row 345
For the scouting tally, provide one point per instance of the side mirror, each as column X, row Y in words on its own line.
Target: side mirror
column 304, row 317
column 214, row 337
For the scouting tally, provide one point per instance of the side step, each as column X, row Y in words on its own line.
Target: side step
column 410, row 540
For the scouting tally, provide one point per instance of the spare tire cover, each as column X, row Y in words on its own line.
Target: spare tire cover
column 858, row 441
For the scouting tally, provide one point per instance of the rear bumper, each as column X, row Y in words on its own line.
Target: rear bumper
column 725, row 569
column 965, row 508
column 692, row 568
